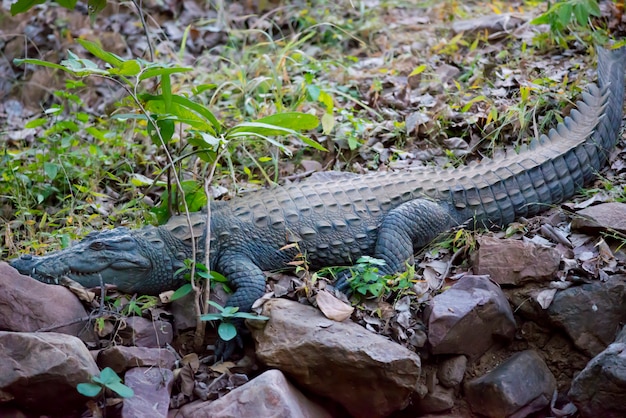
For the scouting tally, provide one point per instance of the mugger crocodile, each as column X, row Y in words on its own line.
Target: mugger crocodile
column 337, row 219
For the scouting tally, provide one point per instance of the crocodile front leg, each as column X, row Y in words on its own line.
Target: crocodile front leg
column 249, row 283
column 406, row 229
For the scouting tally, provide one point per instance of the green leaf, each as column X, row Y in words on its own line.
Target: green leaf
column 68, row 4
column 313, row 92
column 418, row 70
column 218, row 277
column 182, row 291
column 128, row 68
column 215, row 127
column 593, row 8
column 121, row 389
column 97, row 51
column 211, row 317
column 564, row 13
column 291, row 120
column 327, row 100
column 35, row 123
column 19, row 61
column 51, row 170
column 227, row 331
column 22, row 6
column 166, row 128
column 366, row 259
column 581, row 13
column 216, row 306
column 95, row 7
column 229, row 311
column 247, row 315
column 88, row 389
column 328, row 123
column 543, row 19
column 162, row 71
column 107, row 376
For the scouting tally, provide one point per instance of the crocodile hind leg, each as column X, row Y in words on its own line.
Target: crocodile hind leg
column 408, row 228
column 404, row 230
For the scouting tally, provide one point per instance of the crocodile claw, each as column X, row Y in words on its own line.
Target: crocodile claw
column 225, row 349
column 342, row 283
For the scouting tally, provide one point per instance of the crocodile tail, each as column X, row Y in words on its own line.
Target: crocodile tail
column 611, row 69
column 553, row 167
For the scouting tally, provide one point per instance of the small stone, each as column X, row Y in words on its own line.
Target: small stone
column 451, row 371
column 142, row 332
column 152, row 387
column 516, row 388
column 438, row 400
column 601, row 217
column 600, row 389
column 591, row 314
column 269, row 394
column 121, row 358
column 514, row 262
column 491, row 23
column 469, row 317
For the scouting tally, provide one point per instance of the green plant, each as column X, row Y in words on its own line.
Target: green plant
column 136, row 305
column 365, row 277
column 569, row 12
column 106, row 379
column 227, row 330
column 203, row 273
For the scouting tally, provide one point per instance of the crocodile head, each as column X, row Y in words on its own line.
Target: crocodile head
column 138, row 261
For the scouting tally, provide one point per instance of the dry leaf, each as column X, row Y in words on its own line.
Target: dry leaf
column 332, row 307
column 545, row 297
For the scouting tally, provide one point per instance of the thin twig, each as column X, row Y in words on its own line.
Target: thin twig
column 139, row 6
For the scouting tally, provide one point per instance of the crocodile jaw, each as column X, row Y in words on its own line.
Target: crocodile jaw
column 118, row 257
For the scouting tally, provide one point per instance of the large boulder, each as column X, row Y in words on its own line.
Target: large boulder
column 600, row 389
column 514, row 262
column 611, row 215
column 516, row 388
column 368, row 374
column 591, row 314
column 469, row 317
column 152, row 387
column 27, row 305
column 39, row 371
column 270, row 394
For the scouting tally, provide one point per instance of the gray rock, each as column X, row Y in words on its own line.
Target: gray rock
column 269, row 394
column 600, row 389
column 152, row 387
column 451, row 371
column 39, row 371
column 591, row 314
column 143, row 332
column 121, row 358
column 438, row 399
column 27, row 305
column 504, row 22
column 601, row 217
column 368, row 374
column 516, row 388
column 514, row 262
column 469, row 317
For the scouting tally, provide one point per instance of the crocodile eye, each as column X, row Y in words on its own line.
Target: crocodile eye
column 96, row 246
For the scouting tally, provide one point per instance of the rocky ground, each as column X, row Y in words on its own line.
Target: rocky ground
column 522, row 322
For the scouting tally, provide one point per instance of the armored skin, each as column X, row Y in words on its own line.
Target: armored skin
column 337, row 219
